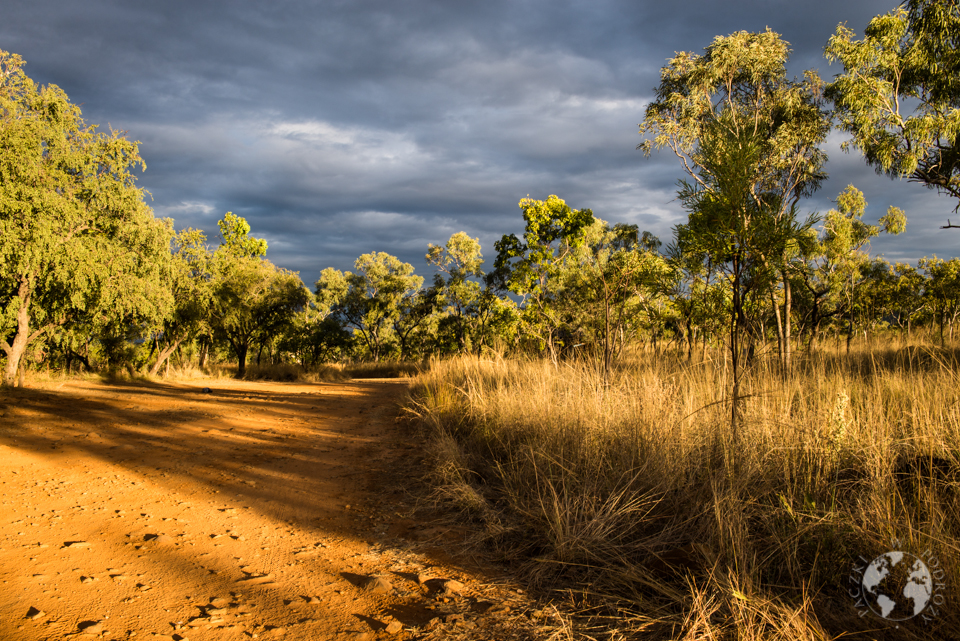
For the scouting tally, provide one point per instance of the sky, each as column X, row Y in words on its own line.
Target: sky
column 342, row 128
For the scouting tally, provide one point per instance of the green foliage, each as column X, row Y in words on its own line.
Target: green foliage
column 531, row 268
column 898, row 95
column 738, row 89
column 609, row 283
column 749, row 141
column 459, row 261
column 315, row 338
column 77, row 240
column 378, row 300
column 838, row 275
column 252, row 299
column 236, row 239
column 192, row 288
column 942, row 290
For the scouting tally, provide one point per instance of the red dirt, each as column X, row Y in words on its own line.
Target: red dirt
column 258, row 510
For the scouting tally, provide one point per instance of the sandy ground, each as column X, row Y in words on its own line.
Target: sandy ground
column 255, row 510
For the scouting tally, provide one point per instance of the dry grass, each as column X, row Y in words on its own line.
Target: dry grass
column 288, row 372
column 284, row 372
column 639, row 493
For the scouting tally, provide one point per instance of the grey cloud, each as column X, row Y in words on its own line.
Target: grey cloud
column 339, row 128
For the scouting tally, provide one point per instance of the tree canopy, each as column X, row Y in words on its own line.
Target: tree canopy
column 899, row 93
column 76, row 237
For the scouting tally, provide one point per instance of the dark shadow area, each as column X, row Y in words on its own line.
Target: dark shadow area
column 409, row 576
column 412, row 615
column 356, row 580
column 375, row 625
column 294, row 454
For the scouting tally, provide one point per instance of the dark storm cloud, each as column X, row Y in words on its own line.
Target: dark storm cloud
column 338, row 128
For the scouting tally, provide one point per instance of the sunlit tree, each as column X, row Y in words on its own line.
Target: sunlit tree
column 736, row 102
column 899, row 93
column 530, row 267
column 373, row 299
column 76, row 238
column 251, row 297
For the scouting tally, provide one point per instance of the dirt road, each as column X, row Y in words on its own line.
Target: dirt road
column 255, row 510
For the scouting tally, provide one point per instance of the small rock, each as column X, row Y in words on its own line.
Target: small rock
column 451, row 586
column 86, row 579
column 313, row 601
column 423, row 577
column 377, row 585
column 76, row 544
column 256, row 580
column 92, row 628
column 158, row 539
column 393, row 627
column 482, row 606
column 206, row 390
column 34, row 614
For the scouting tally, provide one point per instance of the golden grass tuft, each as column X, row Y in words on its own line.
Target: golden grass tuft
column 636, row 488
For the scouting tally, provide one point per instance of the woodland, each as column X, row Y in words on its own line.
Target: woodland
column 701, row 432
column 91, row 280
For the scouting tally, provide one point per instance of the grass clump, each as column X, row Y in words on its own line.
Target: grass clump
column 295, row 373
column 636, row 490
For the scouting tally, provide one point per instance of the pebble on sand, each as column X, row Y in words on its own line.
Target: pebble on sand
column 377, row 585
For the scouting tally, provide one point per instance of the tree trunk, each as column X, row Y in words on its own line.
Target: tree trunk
column 787, row 330
column 15, row 349
column 241, row 351
column 164, row 356
column 776, row 313
column 607, row 338
column 204, row 346
column 735, row 335
column 849, row 333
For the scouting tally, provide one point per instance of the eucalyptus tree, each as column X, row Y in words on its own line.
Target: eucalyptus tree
column 373, row 299
column 836, row 259
column 251, row 298
column 191, row 287
column 942, row 290
column 908, row 296
column 314, row 336
column 460, row 260
column 736, row 102
column 612, row 278
column 529, row 268
column 733, row 228
column 76, row 238
column 899, row 93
